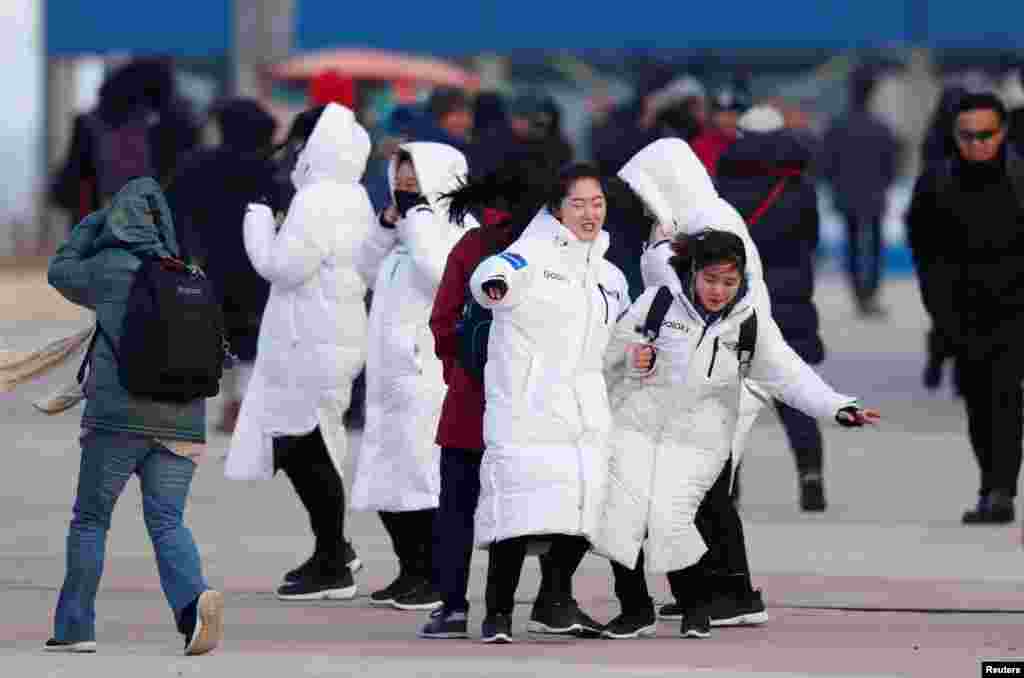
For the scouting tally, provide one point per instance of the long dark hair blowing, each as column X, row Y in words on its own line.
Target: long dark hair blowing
column 520, row 187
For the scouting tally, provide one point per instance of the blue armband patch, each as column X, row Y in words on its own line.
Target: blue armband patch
column 514, row 260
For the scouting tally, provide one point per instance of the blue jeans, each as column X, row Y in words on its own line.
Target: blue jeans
column 108, row 461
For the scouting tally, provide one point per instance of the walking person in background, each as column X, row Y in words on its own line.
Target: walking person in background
column 763, row 175
column 675, row 418
column 124, row 434
column 211, row 228
column 311, row 345
column 965, row 227
column 860, row 157
column 398, row 468
column 555, row 300
column 728, row 102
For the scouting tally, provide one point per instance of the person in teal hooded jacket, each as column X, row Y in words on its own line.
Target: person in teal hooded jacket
column 124, row 434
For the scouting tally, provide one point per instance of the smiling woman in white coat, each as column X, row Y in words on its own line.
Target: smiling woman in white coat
column 311, row 344
column 676, row 414
column 555, row 300
column 399, row 465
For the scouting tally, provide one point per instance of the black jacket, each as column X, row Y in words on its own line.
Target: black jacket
column 208, row 198
column 965, row 227
column 786, row 234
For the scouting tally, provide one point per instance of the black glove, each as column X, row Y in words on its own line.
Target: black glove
column 499, row 285
column 850, row 417
column 406, row 200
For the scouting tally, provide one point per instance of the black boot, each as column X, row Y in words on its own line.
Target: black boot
column 994, row 508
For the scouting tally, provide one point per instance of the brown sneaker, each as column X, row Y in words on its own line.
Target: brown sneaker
column 209, row 626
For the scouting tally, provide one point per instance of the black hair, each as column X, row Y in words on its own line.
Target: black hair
column 984, row 101
column 403, row 155
column 445, row 100
column 706, row 248
column 568, row 176
column 519, row 186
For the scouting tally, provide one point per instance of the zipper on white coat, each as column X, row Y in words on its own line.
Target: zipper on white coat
column 714, row 354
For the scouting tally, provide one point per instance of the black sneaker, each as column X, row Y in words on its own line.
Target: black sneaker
column 401, row 586
column 695, row 624
column 70, row 646
column 812, row 493
column 562, row 619
column 205, row 626
column 992, row 509
column 313, row 562
column 497, row 629
column 737, row 610
column 632, row 625
column 423, row 597
column 445, row 624
column 671, row 611
column 320, row 587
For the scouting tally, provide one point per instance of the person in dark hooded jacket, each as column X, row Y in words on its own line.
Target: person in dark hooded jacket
column 209, row 223
column 141, row 91
column 763, row 175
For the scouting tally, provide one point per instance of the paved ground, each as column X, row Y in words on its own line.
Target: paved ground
column 885, row 583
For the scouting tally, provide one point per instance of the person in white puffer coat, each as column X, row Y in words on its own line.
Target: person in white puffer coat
column 675, row 419
column 673, row 194
column 311, row 344
column 555, row 300
column 398, row 470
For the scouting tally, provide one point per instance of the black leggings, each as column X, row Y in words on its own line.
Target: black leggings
column 412, row 536
column 558, row 565
column 307, row 463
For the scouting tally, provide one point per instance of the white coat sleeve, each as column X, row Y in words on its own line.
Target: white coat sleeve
column 778, row 370
column 625, row 333
column 515, row 270
column 423, row 234
column 295, row 253
column 377, row 245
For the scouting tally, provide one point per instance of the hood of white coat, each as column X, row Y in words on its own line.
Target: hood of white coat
column 672, row 183
column 337, row 150
column 545, row 226
column 439, row 168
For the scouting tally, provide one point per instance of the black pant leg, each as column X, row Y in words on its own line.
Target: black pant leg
column 631, row 587
column 564, row 558
column 453, row 553
column 978, row 402
column 307, row 463
column 804, row 438
column 1006, row 433
column 504, row 568
column 396, row 527
column 876, row 257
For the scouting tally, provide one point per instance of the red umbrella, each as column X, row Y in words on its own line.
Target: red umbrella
column 372, row 64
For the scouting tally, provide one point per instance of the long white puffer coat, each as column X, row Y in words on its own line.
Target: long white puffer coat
column 674, row 427
column 399, row 465
column 313, row 335
column 547, row 417
column 675, row 187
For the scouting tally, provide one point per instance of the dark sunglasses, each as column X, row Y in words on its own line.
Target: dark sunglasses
column 967, row 135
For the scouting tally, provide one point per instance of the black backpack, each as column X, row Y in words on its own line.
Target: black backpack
column 474, row 331
column 656, row 318
column 172, row 346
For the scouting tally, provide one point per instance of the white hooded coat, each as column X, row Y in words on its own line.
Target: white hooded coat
column 674, row 426
column 547, row 417
column 313, row 335
column 399, row 465
column 675, row 187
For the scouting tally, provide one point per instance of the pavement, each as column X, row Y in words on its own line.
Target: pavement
column 885, row 583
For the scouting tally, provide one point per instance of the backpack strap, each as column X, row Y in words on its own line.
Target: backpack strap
column 766, row 204
column 87, row 360
column 656, row 314
column 746, row 344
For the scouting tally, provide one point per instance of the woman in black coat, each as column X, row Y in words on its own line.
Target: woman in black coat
column 763, row 175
